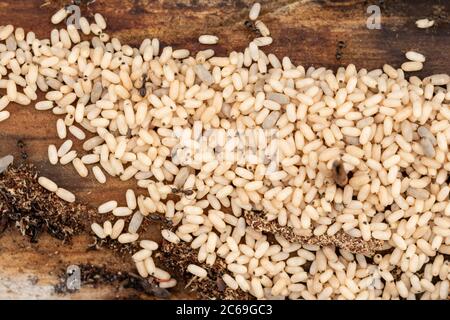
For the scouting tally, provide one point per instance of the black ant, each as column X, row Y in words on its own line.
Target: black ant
column 143, row 89
column 187, row 192
column 340, row 46
column 156, row 218
column 251, row 26
column 159, row 219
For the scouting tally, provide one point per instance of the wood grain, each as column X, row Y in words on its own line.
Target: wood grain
column 306, row 31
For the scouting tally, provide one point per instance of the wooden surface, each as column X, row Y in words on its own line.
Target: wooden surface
column 306, row 31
